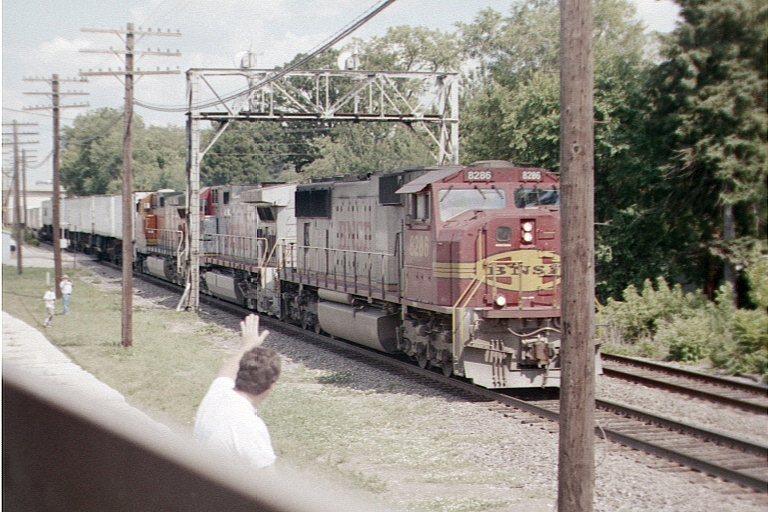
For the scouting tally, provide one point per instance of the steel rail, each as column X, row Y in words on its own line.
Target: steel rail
column 739, row 449
column 758, row 391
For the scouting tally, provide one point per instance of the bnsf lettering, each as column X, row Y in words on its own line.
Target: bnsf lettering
column 516, row 270
column 531, row 175
column 479, row 175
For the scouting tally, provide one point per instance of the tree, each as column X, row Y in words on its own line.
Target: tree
column 251, row 153
column 369, row 148
column 91, row 161
column 159, row 158
column 510, row 111
column 710, row 99
column 406, row 48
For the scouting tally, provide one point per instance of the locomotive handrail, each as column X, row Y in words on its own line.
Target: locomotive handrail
column 271, row 252
column 180, row 254
column 283, row 243
column 165, row 239
column 311, row 258
column 465, row 297
column 238, row 246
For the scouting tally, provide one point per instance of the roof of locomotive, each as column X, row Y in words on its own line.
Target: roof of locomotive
column 429, row 177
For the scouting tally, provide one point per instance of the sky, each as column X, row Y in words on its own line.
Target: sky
column 44, row 37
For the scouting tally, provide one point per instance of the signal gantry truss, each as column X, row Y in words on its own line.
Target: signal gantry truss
column 428, row 101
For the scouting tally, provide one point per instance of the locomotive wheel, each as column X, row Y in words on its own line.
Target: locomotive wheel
column 447, row 367
column 422, row 359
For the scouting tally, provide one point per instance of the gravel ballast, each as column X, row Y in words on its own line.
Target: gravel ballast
column 520, row 449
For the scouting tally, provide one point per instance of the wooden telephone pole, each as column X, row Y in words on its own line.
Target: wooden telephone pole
column 577, row 391
column 128, row 74
column 56, row 106
column 18, row 217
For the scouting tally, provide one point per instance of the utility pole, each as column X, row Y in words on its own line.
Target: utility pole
column 17, row 215
column 24, row 159
column 16, row 200
column 127, row 204
column 56, row 106
column 577, row 391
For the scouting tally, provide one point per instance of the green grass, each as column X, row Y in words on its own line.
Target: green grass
column 361, row 439
column 166, row 371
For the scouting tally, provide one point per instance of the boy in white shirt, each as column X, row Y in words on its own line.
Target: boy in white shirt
column 50, row 305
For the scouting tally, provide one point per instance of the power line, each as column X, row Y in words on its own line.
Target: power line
column 343, row 33
column 8, row 109
column 103, row 133
column 42, row 162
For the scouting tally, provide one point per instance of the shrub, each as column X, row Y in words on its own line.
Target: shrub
column 637, row 320
column 746, row 350
column 688, row 338
column 666, row 323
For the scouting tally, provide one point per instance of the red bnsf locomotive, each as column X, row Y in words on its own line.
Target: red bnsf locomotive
column 457, row 267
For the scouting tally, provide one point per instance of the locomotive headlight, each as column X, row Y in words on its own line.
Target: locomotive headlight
column 527, row 234
column 501, row 301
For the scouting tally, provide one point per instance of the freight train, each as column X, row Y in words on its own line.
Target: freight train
column 457, row 267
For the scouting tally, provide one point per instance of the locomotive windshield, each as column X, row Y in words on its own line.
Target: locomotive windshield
column 454, row 202
column 531, row 197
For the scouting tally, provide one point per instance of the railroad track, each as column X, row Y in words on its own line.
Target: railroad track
column 746, row 396
column 726, row 457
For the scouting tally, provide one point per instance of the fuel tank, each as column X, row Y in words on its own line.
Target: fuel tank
column 371, row 327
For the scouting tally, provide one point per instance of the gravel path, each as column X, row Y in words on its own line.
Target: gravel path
column 519, row 448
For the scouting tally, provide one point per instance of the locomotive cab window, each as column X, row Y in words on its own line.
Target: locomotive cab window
column 266, row 213
column 532, row 197
column 454, row 202
column 420, row 206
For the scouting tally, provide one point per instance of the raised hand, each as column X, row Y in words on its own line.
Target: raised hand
column 251, row 338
